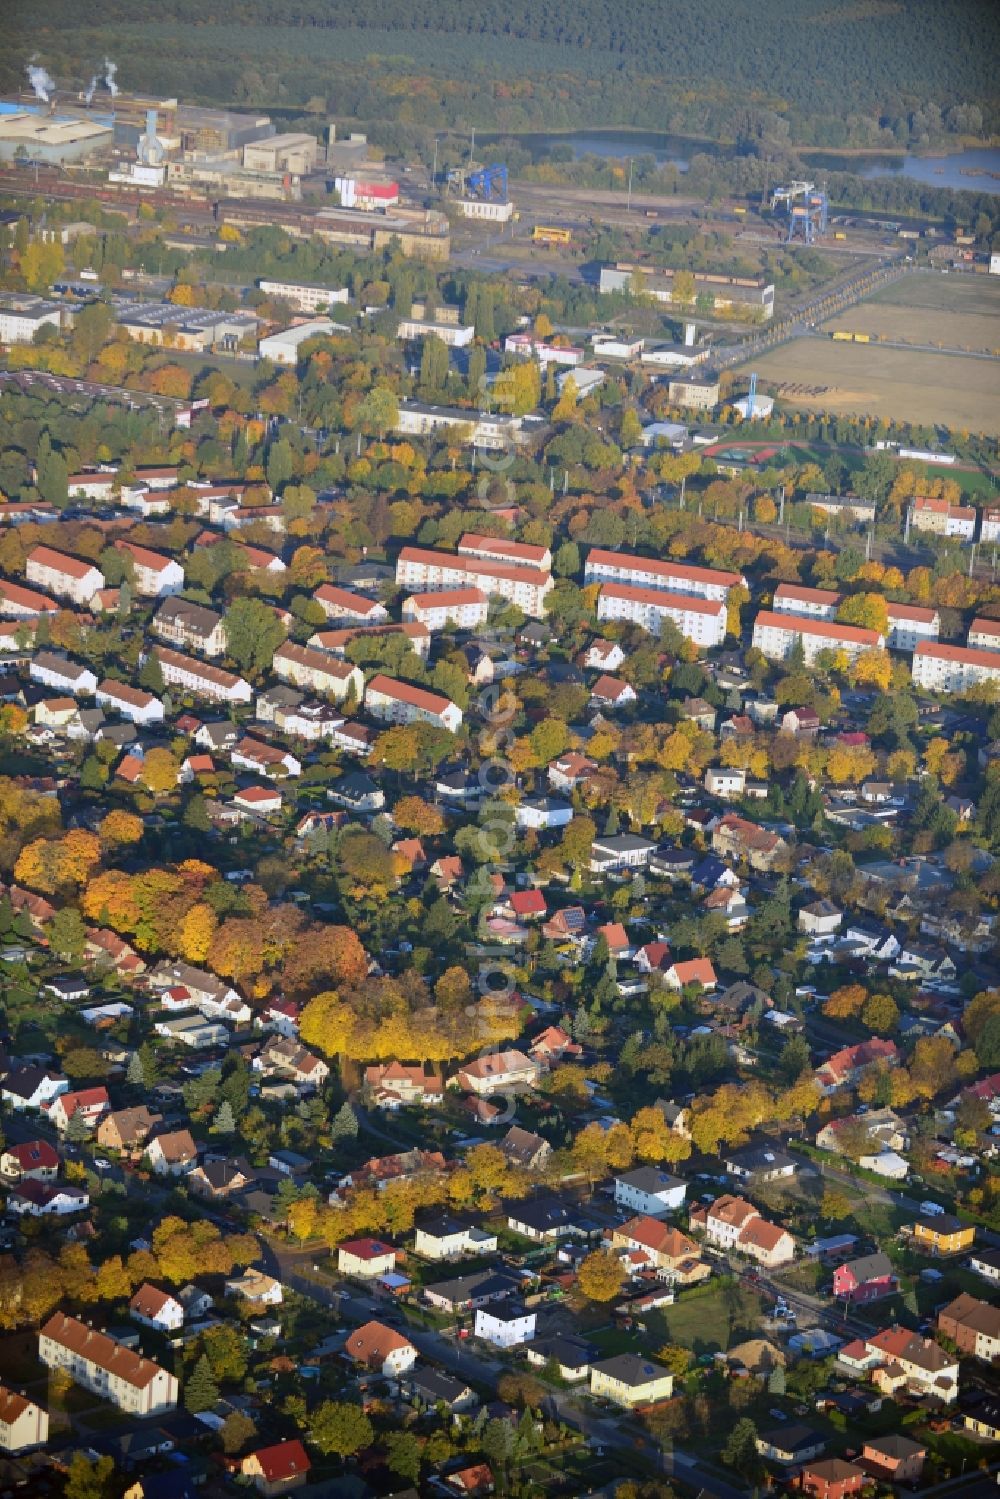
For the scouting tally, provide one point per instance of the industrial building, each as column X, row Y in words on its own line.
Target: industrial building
column 483, row 208
column 728, row 294
column 696, row 394
column 35, row 135
column 482, row 429
column 283, row 347
column 196, row 328
column 296, row 153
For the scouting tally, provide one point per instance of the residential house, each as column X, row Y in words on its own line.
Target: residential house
column 173, row 1154
column 35, row 1160
column 505, row 1325
column 38, row 1199
column 344, row 603
column 759, row 1163
column 790, row 1445
column 775, row 635
column 831, row 1478
column 133, row 1383
column 973, row 1326
column 366, row 1258
column 449, row 1238
column 629, row 1380
column 264, row 759
column 619, row 853
column 126, row 1130
column 698, row 972
column 867, row 1278
column 157, row 1309
column 737, row 839
column 378, row 1347
column 23, row 1424
column 665, row 1248
column 497, row 1072
column 421, row 569
column 820, row 919
column 256, row 1287
column 31, row 1088
column 845, row 1067
column 984, row 1420
column 650, row 1191
column 894, row 1459
column 391, row 1086
column 86, row 1105
column 466, row 1292
column 941, row 1235
column 909, row 1362
column 569, row 1356
column 464, row 608
column 182, row 623
column 430, row 1387
column 277, row 1470
column 524, row 1149
column 700, row 620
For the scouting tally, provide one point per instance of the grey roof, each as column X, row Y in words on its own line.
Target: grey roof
column 870, row 1267
column 649, row 1179
column 630, row 1369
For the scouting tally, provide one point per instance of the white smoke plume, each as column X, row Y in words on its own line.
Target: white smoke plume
column 110, row 69
column 40, row 81
column 91, row 90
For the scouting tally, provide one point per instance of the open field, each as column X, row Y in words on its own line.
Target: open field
column 866, row 380
column 956, row 312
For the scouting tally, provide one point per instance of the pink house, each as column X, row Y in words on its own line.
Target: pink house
column 865, row 1279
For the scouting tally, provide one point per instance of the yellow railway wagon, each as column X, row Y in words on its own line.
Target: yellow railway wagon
column 547, row 234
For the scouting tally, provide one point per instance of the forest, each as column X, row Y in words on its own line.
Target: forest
column 873, row 73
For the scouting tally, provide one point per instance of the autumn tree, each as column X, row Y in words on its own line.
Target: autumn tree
column 414, row 815
column 253, row 633
column 119, row 829
column 160, row 769
column 600, row 1276
column 868, row 611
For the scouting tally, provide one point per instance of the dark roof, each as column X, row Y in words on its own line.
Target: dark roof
column 793, row 1438
column 870, row 1267
column 433, row 1385
column 571, row 1352
column 631, row 1369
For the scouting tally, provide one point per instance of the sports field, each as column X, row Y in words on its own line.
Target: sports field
column 952, row 311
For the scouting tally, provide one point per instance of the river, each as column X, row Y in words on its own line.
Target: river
column 974, row 170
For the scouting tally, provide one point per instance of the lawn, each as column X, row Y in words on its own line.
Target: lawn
column 955, row 312
column 713, row 1321
column 848, row 379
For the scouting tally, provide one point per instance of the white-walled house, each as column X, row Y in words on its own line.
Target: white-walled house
column 775, row 636
column 700, row 620
column 505, row 1324
column 650, row 572
column 157, row 1309
column 465, row 608
column 201, row 679
column 401, row 702
column 649, row 1190
column 318, row 670
column 23, row 1424
column 52, row 669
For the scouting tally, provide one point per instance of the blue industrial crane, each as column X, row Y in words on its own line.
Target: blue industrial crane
column 488, row 183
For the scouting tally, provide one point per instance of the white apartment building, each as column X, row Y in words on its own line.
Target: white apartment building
column 343, row 603
column 92, row 486
column 453, row 334
column 942, row 519
column 700, row 620
column 24, row 603
column 428, row 571
column 481, row 429
column 156, row 576
column 774, row 635
column 465, row 608
column 66, row 577
column 498, row 549
column 303, row 667
column 809, row 603
column 984, row 635
column 909, row 624
column 989, row 525
column 306, row 296
column 182, row 623
column 401, row 702
column 53, row 670
column 200, row 679
column 21, row 317
column 131, row 702
column 953, row 668
column 649, row 572
column 95, row 1361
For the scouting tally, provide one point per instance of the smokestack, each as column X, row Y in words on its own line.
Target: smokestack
column 40, row 82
